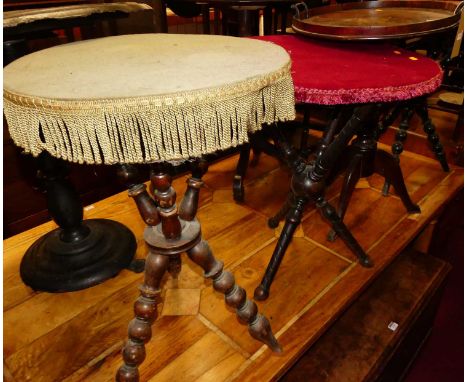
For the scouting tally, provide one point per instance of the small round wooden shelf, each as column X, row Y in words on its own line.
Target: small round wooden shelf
column 378, row 20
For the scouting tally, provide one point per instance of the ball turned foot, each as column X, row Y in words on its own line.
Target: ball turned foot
column 273, row 223
column 127, row 374
column 261, row 293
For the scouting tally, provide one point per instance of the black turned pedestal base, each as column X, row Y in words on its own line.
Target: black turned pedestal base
column 54, row 265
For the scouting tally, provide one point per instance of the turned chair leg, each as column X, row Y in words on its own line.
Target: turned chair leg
column 293, row 219
column 388, row 166
column 352, row 176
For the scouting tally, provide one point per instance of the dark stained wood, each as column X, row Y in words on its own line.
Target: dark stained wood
column 78, row 336
column 179, row 231
column 360, row 344
column 378, row 19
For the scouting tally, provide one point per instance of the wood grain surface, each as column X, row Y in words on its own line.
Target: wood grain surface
column 78, row 336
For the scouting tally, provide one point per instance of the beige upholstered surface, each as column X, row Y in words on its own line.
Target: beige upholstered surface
column 144, row 98
column 141, row 65
column 24, row 16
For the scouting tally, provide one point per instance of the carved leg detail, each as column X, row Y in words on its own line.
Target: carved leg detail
column 145, row 308
column 235, row 296
column 388, row 167
column 292, row 221
column 329, row 213
column 349, row 184
column 400, row 138
column 432, row 136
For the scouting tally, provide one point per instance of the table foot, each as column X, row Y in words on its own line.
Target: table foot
column 54, row 265
column 234, row 295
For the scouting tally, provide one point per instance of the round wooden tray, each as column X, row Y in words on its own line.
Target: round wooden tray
column 378, row 20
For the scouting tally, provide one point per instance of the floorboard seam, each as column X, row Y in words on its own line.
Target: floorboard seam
column 223, row 336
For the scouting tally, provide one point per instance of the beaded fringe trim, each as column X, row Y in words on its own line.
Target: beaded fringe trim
column 151, row 129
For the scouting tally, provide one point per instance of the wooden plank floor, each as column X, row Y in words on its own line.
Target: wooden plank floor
column 78, row 336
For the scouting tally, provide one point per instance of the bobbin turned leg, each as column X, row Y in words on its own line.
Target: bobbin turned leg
column 223, row 281
column 432, row 137
column 169, row 233
column 234, row 295
column 400, row 138
column 145, row 308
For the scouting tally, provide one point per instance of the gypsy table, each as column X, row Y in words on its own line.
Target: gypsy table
column 366, row 75
column 188, row 96
column 78, row 254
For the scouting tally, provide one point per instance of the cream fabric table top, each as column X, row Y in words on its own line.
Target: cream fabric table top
column 24, row 16
column 143, row 98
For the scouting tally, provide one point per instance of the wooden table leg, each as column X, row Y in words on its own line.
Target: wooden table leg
column 308, row 184
column 172, row 231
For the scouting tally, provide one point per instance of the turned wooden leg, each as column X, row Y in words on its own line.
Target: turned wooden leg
column 329, row 213
column 273, row 222
column 432, row 137
column 293, row 219
column 352, row 176
column 387, row 166
column 400, row 138
column 234, row 295
column 241, row 170
column 145, row 308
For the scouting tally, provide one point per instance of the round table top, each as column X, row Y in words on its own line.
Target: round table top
column 207, row 91
column 333, row 73
column 141, row 66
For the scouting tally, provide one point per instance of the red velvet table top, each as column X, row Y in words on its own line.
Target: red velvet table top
column 332, row 73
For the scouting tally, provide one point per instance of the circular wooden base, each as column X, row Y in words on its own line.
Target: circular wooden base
column 53, row 265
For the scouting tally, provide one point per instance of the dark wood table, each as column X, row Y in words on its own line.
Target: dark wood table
column 246, row 15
